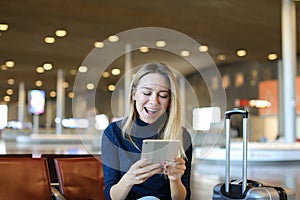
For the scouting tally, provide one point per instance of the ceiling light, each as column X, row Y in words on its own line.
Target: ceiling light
column 3, row 27
column 3, row 67
column 160, row 43
column 47, row 66
column 9, row 91
column 272, row 56
column 241, row 53
column 73, row 72
column 49, row 40
column 71, row 95
column 90, row 86
column 40, row 70
column 10, row 81
column 52, row 93
column 203, row 48
column 38, row 83
column 6, row 98
column 65, row 85
column 115, row 72
column 185, row 53
column 10, row 63
column 221, row 57
column 60, row 33
column 111, row 87
column 105, row 74
column 144, row 49
column 83, row 69
column 113, row 38
column 98, row 44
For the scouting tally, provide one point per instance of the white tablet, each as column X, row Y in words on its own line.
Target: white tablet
column 157, row 151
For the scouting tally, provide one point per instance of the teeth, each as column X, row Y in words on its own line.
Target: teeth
column 150, row 111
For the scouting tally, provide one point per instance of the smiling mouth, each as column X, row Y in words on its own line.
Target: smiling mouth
column 151, row 112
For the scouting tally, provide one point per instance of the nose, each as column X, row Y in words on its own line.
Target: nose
column 154, row 98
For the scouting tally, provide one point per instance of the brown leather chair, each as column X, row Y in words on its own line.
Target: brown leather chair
column 24, row 178
column 51, row 165
column 80, row 178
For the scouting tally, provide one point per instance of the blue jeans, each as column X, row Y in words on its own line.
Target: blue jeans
column 149, row 198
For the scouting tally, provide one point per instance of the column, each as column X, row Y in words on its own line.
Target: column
column 289, row 61
column 60, row 101
column 21, row 102
column 49, row 114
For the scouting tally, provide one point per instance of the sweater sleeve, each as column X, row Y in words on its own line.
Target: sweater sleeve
column 110, row 160
column 188, row 151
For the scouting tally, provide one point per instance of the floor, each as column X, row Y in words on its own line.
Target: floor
column 206, row 174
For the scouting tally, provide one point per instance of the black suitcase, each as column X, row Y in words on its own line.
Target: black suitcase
column 246, row 189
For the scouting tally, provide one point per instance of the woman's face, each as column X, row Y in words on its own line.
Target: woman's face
column 152, row 97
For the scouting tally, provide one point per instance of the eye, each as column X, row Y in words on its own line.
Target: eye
column 147, row 93
column 164, row 95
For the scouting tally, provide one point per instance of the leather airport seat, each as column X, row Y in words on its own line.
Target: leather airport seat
column 51, row 165
column 25, row 179
column 80, row 178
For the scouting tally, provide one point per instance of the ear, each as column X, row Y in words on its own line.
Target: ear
column 133, row 94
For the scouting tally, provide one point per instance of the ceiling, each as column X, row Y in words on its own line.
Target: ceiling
column 225, row 26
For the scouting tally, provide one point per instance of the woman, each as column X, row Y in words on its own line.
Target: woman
column 154, row 113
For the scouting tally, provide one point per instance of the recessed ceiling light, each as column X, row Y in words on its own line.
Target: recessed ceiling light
column 52, row 93
column 49, row 40
column 40, row 70
column 73, row 72
column 203, row 48
column 105, row 74
column 10, row 63
column 65, row 85
column 241, row 53
column 115, row 72
column 83, row 69
column 9, row 91
column 113, row 38
column 3, row 27
column 90, row 86
column 160, row 43
column 4, row 67
column 71, row 95
column 272, row 56
column 6, row 98
column 98, row 44
column 47, row 66
column 144, row 49
column 185, row 53
column 221, row 57
column 60, row 33
column 10, row 81
column 111, row 87
column 38, row 83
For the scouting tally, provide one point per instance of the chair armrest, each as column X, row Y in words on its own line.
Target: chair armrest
column 56, row 194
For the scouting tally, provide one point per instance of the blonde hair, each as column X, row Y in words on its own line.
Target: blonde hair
column 172, row 129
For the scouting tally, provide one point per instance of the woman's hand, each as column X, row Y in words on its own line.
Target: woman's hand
column 140, row 171
column 175, row 169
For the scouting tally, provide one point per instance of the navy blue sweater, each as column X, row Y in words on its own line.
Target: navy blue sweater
column 118, row 154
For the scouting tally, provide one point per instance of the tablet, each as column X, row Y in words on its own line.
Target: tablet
column 157, row 151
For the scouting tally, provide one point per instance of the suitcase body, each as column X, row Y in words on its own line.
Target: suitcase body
column 254, row 192
column 246, row 189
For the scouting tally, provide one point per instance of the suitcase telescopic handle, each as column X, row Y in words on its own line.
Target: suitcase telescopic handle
column 236, row 111
column 244, row 114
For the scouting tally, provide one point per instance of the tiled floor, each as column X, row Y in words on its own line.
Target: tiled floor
column 206, row 174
